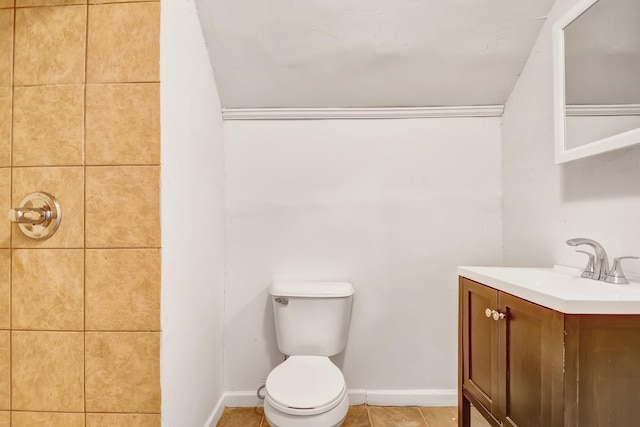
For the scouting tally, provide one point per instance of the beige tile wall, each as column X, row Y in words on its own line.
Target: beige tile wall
column 80, row 118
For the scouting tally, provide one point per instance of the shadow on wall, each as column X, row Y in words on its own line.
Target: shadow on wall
column 269, row 334
column 605, row 176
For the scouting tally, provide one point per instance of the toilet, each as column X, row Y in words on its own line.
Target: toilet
column 312, row 323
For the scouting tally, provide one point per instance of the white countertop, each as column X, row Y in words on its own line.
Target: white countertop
column 559, row 288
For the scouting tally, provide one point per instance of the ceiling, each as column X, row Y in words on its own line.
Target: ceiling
column 368, row 53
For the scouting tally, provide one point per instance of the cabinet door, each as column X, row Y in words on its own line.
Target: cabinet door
column 479, row 344
column 531, row 359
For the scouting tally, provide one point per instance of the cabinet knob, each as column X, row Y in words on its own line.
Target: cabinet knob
column 497, row 316
column 493, row 313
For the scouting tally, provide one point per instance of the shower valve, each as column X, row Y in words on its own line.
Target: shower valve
column 31, row 216
column 38, row 215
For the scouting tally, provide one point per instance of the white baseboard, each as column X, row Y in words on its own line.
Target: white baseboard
column 216, row 413
column 239, row 399
column 357, row 396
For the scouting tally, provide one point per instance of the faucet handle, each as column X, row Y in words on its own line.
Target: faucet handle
column 616, row 275
column 590, row 268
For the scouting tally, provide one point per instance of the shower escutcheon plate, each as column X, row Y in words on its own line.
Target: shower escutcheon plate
column 38, row 215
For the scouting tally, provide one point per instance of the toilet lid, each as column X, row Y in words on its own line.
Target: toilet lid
column 306, row 383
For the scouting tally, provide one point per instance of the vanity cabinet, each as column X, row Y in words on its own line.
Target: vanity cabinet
column 509, row 362
column 538, row 367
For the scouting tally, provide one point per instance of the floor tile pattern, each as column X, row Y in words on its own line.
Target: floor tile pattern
column 365, row 416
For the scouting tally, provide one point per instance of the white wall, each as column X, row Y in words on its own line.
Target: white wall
column 391, row 205
column 192, row 223
column 545, row 204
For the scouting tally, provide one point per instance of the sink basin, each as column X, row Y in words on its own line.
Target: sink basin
column 559, row 288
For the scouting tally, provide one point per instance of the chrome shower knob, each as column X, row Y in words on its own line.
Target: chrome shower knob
column 38, row 216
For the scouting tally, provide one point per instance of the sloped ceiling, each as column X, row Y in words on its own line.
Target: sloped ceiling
column 368, row 53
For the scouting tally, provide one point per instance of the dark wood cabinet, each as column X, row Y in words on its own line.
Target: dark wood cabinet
column 530, row 358
column 479, row 333
column 536, row 367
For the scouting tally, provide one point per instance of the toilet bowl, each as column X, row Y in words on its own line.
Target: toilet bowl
column 312, row 322
column 306, row 391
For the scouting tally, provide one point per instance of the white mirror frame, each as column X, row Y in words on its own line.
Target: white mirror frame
column 562, row 154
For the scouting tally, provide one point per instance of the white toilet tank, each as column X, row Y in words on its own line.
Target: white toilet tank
column 312, row 318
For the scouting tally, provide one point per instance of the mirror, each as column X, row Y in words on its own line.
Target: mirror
column 596, row 60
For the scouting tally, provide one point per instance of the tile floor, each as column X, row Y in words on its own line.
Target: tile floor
column 365, row 416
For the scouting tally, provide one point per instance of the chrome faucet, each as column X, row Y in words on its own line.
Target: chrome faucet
column 600, row 264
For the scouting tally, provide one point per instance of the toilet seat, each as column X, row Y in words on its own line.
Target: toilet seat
column 305, row 385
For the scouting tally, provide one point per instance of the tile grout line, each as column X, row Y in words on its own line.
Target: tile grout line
column 114, row 83
column 59, row 166
column 368, row 415
column 13, row 72
column 90, row 3
column 84, row 214
column 423, row 417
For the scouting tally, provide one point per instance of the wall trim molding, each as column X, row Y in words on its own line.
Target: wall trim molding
column 603, row 110
column 216, row 413
column 447, row 397
column 360, row 113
